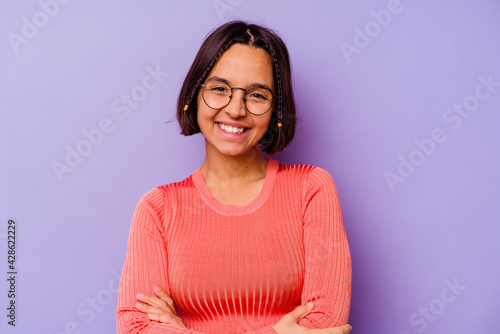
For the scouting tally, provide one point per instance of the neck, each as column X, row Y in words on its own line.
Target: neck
column 246, row 167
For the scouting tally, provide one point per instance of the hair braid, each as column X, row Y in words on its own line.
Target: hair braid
column 278, row 82
column 276, row 129
column 207, row 69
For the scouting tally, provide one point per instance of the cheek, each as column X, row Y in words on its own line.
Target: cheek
column 199, row 99
column 265, row 122
column 201, row 114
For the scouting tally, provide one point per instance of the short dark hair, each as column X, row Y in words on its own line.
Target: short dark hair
column 217, row 42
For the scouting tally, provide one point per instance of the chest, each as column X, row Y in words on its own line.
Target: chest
column 238, row 195
column 235, row 265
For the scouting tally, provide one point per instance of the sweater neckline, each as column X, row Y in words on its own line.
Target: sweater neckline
column 232, row 209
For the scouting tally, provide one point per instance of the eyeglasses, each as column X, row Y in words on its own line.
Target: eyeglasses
column 218, row 94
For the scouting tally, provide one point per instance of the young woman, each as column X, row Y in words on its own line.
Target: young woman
column 246, row 244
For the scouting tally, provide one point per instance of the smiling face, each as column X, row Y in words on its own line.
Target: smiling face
column 232, row 130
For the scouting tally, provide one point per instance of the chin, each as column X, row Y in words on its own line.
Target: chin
column 232, row 151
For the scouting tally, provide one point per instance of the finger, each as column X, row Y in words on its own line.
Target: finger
column 300, row 312
column 346, row 329
column 167, row 319
column 152, row 300
column 164, row 295
column 146, row 308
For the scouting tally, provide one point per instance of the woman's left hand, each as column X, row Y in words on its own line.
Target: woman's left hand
column 159, row 307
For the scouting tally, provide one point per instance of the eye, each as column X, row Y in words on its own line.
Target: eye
column 258, row 96
column 218, row 89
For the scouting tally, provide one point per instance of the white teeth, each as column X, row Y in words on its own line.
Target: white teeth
column 230, row 129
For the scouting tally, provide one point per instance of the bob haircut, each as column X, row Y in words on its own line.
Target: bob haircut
column 218, row 41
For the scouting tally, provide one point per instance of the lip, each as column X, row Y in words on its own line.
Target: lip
column 233, row 124
column 231, row 136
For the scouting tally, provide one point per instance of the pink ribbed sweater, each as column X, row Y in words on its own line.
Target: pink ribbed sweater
column 239, row 269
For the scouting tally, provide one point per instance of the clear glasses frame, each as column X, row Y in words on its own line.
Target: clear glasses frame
column 244, row 97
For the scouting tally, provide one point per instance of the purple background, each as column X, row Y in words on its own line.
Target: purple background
column 358, row 113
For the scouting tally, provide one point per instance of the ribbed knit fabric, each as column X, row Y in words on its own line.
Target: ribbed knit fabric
column 239, row 269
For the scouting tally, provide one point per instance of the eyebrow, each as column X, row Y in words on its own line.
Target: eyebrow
column 260, row 85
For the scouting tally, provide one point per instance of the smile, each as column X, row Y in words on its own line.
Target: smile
column 231, row 129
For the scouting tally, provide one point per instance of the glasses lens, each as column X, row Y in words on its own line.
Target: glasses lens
column 259, row 100
column 216, row 94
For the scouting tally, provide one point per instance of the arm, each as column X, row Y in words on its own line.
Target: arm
column 163, row 312
column 146, row 266
column 328, row 270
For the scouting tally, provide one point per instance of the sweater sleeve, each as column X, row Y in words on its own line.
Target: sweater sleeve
column 146, row 266
column 328, row 271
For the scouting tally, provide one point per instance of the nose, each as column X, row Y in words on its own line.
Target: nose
column 236, row 107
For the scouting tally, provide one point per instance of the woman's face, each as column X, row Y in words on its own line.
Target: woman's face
column 240, row 66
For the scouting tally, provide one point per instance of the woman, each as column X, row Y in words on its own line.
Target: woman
column 245, row 242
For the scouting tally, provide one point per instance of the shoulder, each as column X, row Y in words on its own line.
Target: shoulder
column 306, row 178
column 155, row 199
column 304, row 172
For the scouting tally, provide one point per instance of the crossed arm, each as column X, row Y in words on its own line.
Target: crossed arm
column 160, row 307
column 327, row 281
